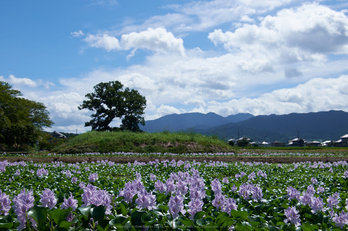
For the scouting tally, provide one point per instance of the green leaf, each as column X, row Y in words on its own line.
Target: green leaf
column 65, row 224
column 59, row 215
column 5, row 219
column 85, row 211
column 98, row 213
column 136, row 218
column 6, row 225
column 199, row 215
column 121, row 208
column 186, row 221
column 39, row 214
column 239, row 214
column 119, row 220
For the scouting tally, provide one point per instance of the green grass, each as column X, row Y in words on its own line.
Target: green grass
column 125, row 141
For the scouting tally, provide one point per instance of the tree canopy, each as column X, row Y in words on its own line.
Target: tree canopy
column 21, row 120
column 109, row 101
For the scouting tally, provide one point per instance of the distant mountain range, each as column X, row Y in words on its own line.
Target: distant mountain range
column 328, row 125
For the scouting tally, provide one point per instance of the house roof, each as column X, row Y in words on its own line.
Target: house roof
column 345, row 136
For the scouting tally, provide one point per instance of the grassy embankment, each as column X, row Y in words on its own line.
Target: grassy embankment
column 178, row 142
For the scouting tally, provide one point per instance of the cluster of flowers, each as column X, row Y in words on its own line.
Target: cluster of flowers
column 316, row 204
column 41, row 172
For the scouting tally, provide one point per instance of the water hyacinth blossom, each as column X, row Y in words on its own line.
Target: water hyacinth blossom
column 145, row 200
column 5, row 203
column 341, row 220
column 93, row 177
column 292, row 216
column 21, row 204
column 176, row 205
column 69, row 203
column 48, row 199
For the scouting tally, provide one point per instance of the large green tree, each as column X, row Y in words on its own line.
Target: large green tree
column 21, row 120
column 109, row 101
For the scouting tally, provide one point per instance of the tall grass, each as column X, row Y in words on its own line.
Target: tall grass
column 126, row 141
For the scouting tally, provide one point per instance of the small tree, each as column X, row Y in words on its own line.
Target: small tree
column 243, row 142
column 21, row 120
column 109, row 101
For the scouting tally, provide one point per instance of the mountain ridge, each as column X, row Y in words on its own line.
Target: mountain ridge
column 325, row 125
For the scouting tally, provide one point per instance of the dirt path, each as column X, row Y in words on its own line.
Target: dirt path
column 201, row 159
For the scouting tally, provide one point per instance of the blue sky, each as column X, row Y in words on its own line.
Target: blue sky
column 228, row 57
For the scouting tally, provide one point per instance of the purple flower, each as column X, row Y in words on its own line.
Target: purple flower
column 181, row 187
column 218, row 200
column 292, row 216
column 196, row 192
column 195, row 205
column 216, row 186
column 41, row 172
column 48, row 199
column 306, row 198
column 332, row 201
column 176, row 205
column 320, row 189
column 257, row 193
column 74, row 180
column 159, row 186
column 3, row 165
column 293, row 193
column 314, row 180
column 68, row 174
column 82, row 185
column 310, row 189
column 146, row 200
column 92, row 196
column 262, row 174
column 346, row 174
column 152, row 177
column 244, row 191
column 316, row 204
column 225, row 180
column 234, row 188
column 170, row 186
column 251, row 176
column 229, row 205
column 17, row 173
column 341, row 220
column 69, row 203
column 22, row 203
column 5, row 203
column 93, row 177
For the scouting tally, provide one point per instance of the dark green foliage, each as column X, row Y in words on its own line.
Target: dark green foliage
column 109, row 101
column 21, row 120
column 243, row 142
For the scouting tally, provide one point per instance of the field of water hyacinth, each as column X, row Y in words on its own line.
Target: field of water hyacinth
column 173, row 195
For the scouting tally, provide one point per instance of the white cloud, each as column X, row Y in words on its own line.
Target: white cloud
column 158, row 40
column 305, row 33
column 78, row 33
column 107, row 42
column 20, row 81
column 168, row 110
column 315, row 95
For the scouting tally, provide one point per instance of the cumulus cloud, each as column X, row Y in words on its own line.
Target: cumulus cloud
column 20, row 81
column 317, row 94
column 168, row 110
column 105, row 41
column 305, row 33
column 158, row 40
